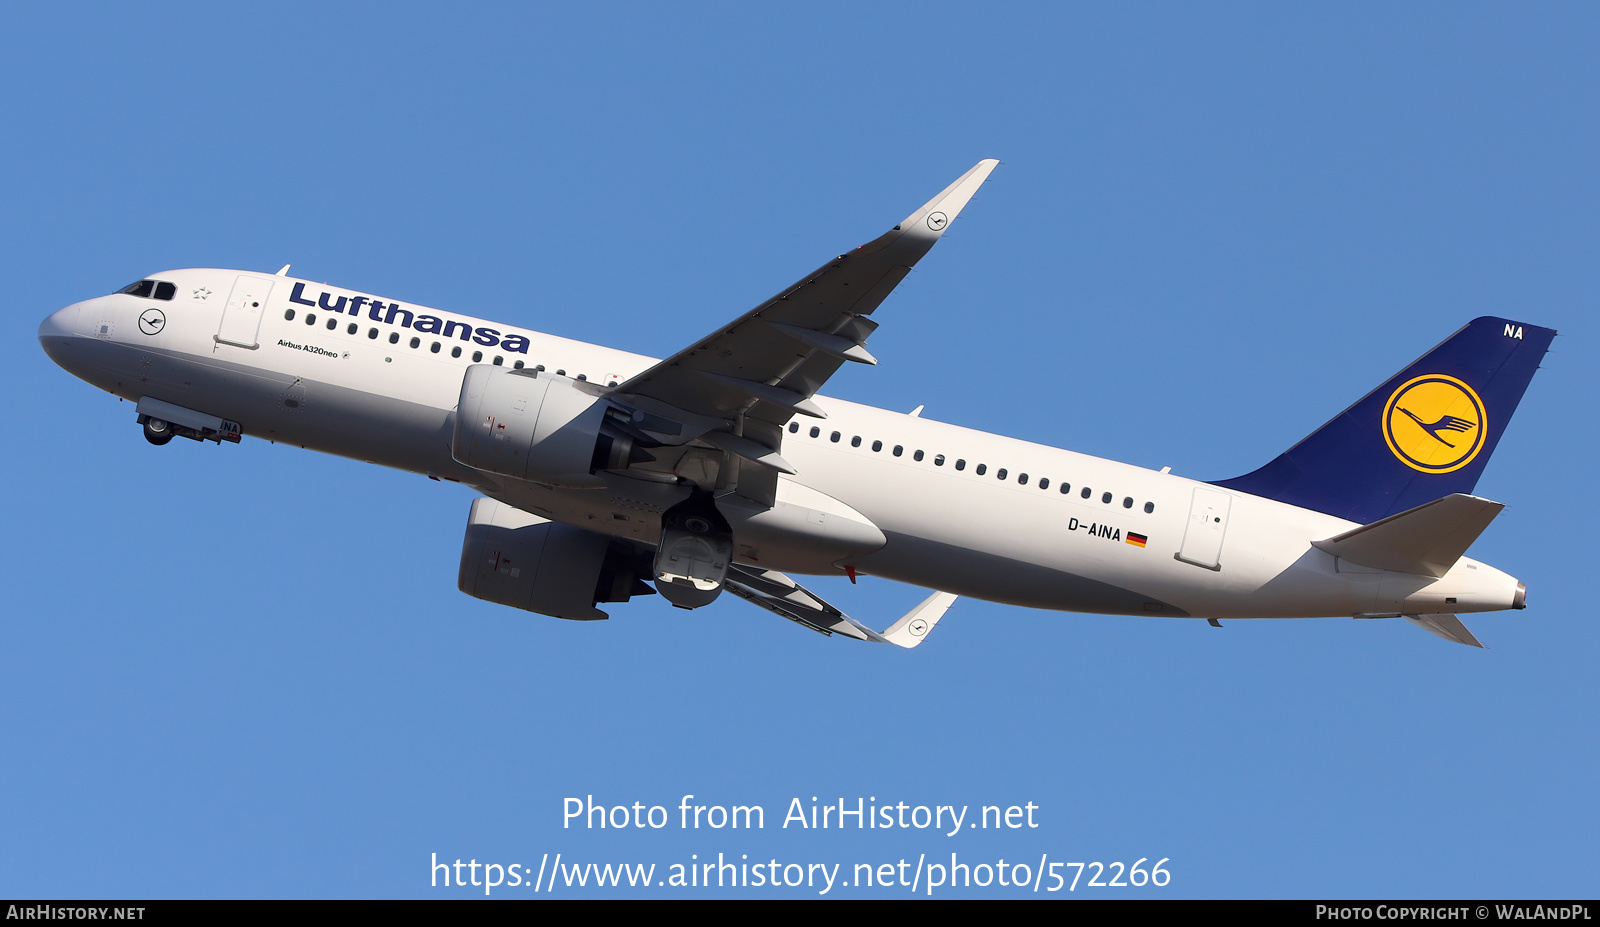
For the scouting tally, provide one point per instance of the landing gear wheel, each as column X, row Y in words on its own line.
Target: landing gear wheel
column 692, row 557
column 157, row 432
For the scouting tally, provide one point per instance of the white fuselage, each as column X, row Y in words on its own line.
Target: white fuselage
column 962, row 511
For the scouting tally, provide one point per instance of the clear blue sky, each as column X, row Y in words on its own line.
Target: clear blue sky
column 246, row 671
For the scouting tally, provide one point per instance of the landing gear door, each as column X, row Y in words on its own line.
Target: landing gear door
column 241, row 318
column 1208, row 522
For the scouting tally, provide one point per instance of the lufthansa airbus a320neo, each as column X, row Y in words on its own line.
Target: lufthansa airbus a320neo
column 605, row 475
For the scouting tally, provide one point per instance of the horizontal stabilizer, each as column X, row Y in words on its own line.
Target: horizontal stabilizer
column 1448, row 627
column 1427, row 540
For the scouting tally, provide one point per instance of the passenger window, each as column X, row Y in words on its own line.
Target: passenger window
column 477, row 357
column 1066, row 488
column 961, row 463
column 899, row 449
column 856, row 441
column 794, row 427
column 561, row 373
column 498, row 360
column 517, row 365
column 1127, row 502
column 416, row 342
column 835, row 437
column 394, row 337
column 352, row 329
column 1105, row 498
column 1022, row 479
column 581, row 376
column 1000, row 474
column 288, row 315
column 917, row 456
column 372, row 333
column 333, row 324
column 877, row 446
column 938, row 460
column 1149, row 507
column 1087, row 492
column 981, row 469
column 1044, row 482
column 434, row 347
column 815, row 431
column 311, row 318
column 455, row 351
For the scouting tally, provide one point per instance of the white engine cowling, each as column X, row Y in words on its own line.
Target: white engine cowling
column 510, row 557
column 528, row 425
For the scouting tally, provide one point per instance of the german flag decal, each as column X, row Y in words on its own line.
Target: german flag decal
column 1137, row 540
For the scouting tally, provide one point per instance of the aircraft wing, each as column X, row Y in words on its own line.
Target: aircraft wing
column 743, row 382
column 781, row 595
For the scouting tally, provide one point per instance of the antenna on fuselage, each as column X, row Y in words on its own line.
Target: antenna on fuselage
column 282, row 271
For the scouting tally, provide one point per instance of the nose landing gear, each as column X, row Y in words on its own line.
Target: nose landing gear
column 164, row 421
column 157, row 431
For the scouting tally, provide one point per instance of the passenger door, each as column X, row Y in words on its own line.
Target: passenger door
column 241, row 317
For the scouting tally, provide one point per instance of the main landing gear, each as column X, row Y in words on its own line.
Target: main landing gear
column 696, row 548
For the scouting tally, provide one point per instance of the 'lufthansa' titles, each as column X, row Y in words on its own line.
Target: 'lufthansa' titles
column 394, row 314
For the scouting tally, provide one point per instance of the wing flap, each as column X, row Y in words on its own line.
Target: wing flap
column 782, row 596
column 746, row 449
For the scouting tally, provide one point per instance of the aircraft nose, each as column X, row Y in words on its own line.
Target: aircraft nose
column 63, row 323
column 59, row 332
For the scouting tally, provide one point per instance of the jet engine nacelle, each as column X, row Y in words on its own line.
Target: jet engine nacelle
column 510, row 557
column 534, row 426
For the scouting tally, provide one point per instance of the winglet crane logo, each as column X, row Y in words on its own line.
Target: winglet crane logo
column 1434, row 423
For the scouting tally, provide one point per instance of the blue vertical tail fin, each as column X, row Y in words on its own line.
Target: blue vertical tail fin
column 1423, row 435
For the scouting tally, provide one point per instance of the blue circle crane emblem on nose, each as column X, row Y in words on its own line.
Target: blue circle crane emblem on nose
column 152, row 321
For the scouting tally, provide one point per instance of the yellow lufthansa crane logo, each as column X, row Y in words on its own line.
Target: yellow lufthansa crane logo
column 1434, row 423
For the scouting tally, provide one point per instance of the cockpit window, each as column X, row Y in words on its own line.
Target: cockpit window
column 151, row 289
